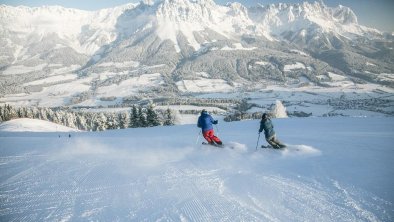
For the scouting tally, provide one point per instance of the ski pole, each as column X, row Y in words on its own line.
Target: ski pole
column 217, row 130
column 258, row 139
column 198, row 137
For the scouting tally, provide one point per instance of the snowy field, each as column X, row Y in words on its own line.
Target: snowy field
column 335, row 169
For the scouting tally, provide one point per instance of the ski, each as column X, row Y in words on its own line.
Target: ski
column 270, row 147
column 215, row 145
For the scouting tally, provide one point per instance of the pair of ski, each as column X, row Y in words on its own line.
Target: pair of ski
column 270, row 147
column 222, row 146
column 213, row 144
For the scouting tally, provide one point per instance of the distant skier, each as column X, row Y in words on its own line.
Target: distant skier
column 270, row 136
column 205, row 122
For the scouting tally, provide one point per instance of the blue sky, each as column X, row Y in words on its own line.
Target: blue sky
column 373, row 13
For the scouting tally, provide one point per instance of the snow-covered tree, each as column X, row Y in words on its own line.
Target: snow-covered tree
column 279, row 111
column 112, row 121
column 152, row 118
column 69, row 120
column 57, row 118
column 81, row 122
column 100, row 123
column 169, row 118
column 90, row 121
column 123, row 120
column 42, row 113
column 50, row 114
column 141, row 117
column 133, row 117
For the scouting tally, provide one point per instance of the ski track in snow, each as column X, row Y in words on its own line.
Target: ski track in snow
column 115, row 178
column 88, row 186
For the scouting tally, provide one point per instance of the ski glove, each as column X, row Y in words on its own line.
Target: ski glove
column 215, row 122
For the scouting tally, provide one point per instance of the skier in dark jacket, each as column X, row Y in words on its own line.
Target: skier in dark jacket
column 269, row 132
column 205, row 122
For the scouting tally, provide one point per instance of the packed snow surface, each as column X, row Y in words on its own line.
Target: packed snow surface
column 334, row 169
column 33, row 125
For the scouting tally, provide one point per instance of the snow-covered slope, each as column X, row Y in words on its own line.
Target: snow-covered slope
column 335, row 169
column 33, row 125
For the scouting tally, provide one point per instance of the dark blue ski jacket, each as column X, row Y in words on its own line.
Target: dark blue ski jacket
column 205, row 121
column 268, row 128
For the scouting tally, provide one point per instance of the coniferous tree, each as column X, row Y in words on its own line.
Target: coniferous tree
column 42, row 114
column 56, row 118
column 169, row 119
column 279, row 111
column 112, row 121
column 141, row 117
column 19, row 112
column 1, row 112
column 50, row 114
column 29, row 113
column 100, row 123
column 35, row 113
column 69, row 120
column 4, row 112
column 134, row 120
column 123, row 120
column 13, row 114
column 90, row 121
column 152, row 118
column 81, row 122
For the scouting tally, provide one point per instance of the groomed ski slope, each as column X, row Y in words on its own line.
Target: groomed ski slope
column 336, row 169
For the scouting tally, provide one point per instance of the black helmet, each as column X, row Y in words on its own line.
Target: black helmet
column 204, row 111
column 264, row 116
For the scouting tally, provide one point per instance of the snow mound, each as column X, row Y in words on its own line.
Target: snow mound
column 237, row 146
column 301, row 150
column 33, row 125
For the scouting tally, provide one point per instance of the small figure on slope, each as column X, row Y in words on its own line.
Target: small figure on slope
column 205, row 122
column 270, row 136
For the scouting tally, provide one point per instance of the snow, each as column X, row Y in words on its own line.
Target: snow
column 237, row 46
column 21, row 69
column 51, row 96
column 335, row 169
column 33, row 125
column 53, row 79
column 132, row 86
column 191, row 107
column 295, row 66
column 386, row 77
column 204, row 85
column 370, row 64
column 127, row 64
column 298, row 52
column 66, row 23
column 335, row 77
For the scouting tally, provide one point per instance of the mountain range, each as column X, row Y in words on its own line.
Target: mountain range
column 175, row 47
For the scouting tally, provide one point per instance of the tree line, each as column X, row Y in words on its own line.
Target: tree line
column 137, row 116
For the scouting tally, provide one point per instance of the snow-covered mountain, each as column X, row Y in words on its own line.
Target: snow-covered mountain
column 168, row 47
